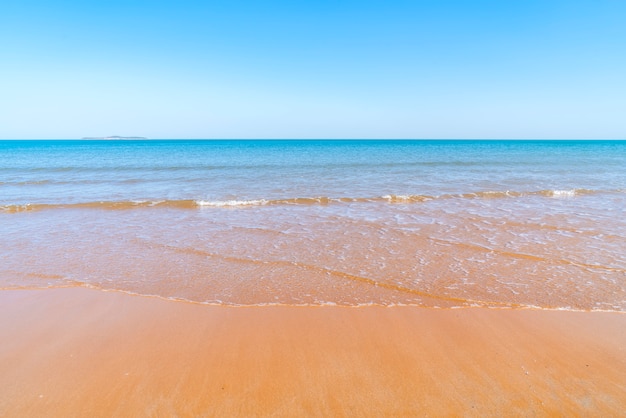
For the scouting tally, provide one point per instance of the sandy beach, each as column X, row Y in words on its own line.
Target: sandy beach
column 312, row 209
column 83, row 352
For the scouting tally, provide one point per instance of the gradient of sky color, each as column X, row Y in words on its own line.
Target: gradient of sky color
column 316, row 69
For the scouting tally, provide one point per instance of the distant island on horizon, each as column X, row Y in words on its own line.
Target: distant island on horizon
column 114, row 137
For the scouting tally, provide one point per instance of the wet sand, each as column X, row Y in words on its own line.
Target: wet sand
column 83, row 352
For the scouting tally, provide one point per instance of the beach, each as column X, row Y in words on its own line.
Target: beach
column 312, row 209
column 83, row 352
column 312, row 278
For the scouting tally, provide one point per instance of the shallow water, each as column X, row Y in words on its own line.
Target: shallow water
column 430, row 223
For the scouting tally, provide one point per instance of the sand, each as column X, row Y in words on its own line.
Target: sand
column 84, row 352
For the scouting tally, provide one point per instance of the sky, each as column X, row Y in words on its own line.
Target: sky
column 537, row 69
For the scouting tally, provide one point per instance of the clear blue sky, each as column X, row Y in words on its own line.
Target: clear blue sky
column 316, row 69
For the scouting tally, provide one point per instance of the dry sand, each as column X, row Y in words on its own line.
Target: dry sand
column 82, row 352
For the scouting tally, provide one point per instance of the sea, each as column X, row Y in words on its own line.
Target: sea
column 436, row 224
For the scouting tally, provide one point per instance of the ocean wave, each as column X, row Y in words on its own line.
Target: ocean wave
column 563, row 193
column 226, row 203
column 320, row 200
column 110, row 205
column 392, row 198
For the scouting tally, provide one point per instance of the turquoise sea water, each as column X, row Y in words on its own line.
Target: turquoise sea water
column 66, row 172
column 433, row 223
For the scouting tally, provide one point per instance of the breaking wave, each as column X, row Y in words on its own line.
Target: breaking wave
column 321, row 200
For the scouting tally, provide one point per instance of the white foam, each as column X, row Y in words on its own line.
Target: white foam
column 563, row 193
column 226, row 203
column 403, row 198
column 396, row 197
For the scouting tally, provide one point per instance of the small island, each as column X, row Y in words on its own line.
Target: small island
column 114, row 137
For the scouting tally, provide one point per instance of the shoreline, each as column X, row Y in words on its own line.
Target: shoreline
column 214, row 304
column 79, row 351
